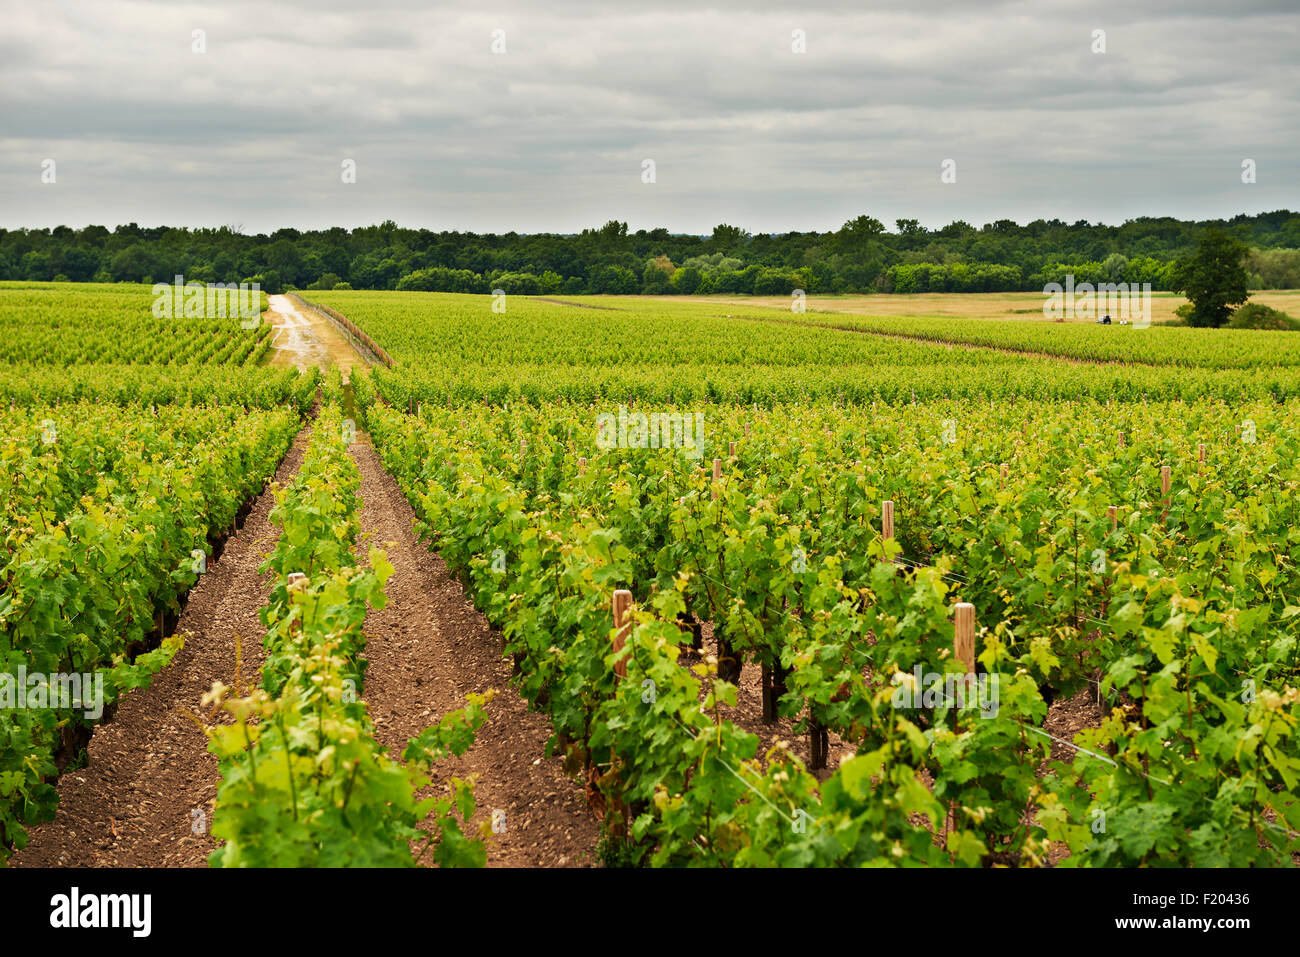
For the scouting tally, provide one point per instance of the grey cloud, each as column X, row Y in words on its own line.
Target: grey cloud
column 551, row 136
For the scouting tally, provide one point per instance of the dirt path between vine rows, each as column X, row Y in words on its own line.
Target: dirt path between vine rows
column 145, row 796
column 427, row 649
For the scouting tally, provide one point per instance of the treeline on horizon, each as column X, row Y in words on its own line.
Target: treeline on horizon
column 860, row 257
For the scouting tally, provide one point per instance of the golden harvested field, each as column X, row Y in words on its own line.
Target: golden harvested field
column 973, row 305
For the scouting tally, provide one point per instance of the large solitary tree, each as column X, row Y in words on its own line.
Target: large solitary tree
column 1213, row 278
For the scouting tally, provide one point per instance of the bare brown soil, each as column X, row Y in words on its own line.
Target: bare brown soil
column 427, row 649
column 1068, row 716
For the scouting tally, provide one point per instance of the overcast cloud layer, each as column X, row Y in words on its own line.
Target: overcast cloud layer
column 551, row 135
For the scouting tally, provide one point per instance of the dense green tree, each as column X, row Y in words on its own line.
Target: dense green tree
column 134, row 263
column 269, row 281
column 686, row 279
column 1213, row 278
column 80, row 263
column 859, row 238
column 37, row 267
column 326, row 281
column 775, row 282
column 860, row 257
column 656, row 276
column 726, row 238
column 613, row 280
column 517, row 283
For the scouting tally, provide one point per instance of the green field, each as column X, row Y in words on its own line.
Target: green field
column 827, row 495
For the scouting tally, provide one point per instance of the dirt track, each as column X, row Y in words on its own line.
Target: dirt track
column 427, row 649
column 303, row 338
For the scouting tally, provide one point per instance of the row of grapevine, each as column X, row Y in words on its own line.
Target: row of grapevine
column 34, row 386
column 62, row 325
column 682, row 784
column 63, row 343
column 130, row 444
column 304, row 783
column 536, row 351
column 787, row 562
column 108, row 524
column 1246, row 349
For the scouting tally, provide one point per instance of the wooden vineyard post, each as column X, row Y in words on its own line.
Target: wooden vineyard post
column 963, row 641
column 1113, row 512
column 1200, row 456
column 731, row 450
column 1002, row 481
column 746, row 430
column 1165, row 484
column 582, row 466
column 618, row 812
column 623, row 624
column 1121, row 439
column 963, row 646
column 717, row 477
column 523, row 448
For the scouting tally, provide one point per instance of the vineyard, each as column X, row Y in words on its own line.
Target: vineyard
column 768, row 588
column 130, row 449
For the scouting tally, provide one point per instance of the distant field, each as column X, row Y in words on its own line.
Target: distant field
column 977, row 305
column 454, row 346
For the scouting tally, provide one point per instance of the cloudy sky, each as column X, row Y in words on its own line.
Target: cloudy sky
column 552, row 133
